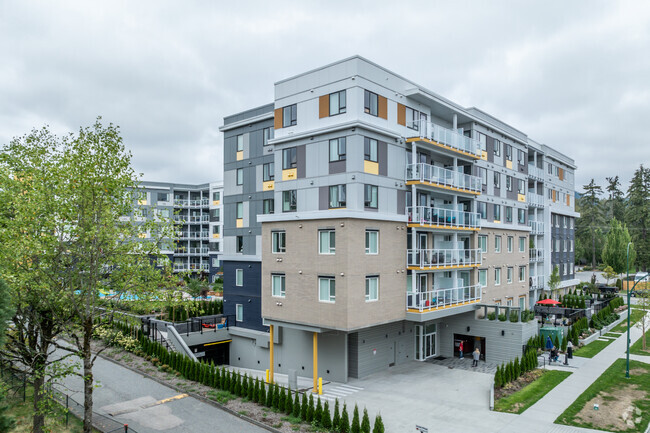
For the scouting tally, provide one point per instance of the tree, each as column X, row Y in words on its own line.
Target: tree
column 326, row 421
column 608, row 273
column 344, row 423
column 554, row 280
column 365, row 422
column 379, row 425
column 336, row 419
column 615, row 201
column 615, row 249
column 355, row 427
column 591, row 218
column 643, row 303
column 637, row 215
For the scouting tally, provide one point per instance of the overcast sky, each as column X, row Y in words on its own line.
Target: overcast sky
column 573, row 75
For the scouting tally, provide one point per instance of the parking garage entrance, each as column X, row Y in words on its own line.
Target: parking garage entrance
column 470, row 342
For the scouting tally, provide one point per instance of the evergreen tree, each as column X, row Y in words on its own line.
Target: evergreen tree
column 282, row 398
column 303, row 408
column 344, row 423
column 7, row 422
column 615, row 201
column 310, row 408
column 251, row 388
column 296, row 406
column 355, row 427
column 269, row 395
column 365, row 422
column 637, row 215
column 262, row 398
column 244, row 386
column 238, row 387
column 326, row 421
column 556, row 341
column 256, row 390
column 591, row 218
column 497, row 378
column 318, row 412
column 275, row 402
column 379, row 425
column 516, row 368
column 336, row 419
column 288, row 403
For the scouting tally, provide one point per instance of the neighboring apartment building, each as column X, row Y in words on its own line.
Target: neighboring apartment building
column 371, row 222
column 197, row 214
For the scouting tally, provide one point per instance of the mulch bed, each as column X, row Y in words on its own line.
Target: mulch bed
column 516, row 385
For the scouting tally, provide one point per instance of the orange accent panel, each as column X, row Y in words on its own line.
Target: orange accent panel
column 323, row 106
column 568, row 200
column 382, row 110
column 277, row 122
column 401, row 114
column 561, row 173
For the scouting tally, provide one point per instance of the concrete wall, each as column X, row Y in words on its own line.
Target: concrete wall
column 375, row 349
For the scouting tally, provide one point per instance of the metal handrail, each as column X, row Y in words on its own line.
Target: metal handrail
column 433, row 258
column 442, row 176
column 440, row 298
column 443, row 217
column 442, row 135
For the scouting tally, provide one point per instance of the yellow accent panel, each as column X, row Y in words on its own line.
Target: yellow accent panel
column 240, row 155
column 142, row 202
column 216, row 202
column 269, row 185
column 497, row 221
column 509, row 164
column 371, row 167
column 521, row 197
column 215, row 235
column 483, row 155
column 290, row 174
column 240, row 223
column 450, row 188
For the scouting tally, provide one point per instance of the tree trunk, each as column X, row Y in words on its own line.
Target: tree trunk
column 38, row 420
column 593, row 250
column 88, row 377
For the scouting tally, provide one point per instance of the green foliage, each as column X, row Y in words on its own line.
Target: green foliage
column 615, row 250
column 492, row 316
column 503, row 317
column 296, row 406
column 514, row 316
column 554, row 280
column 288, row 403
column 379, row 425
column 344, row 423
column 336, row 419
column 589, row 237
column 365, row 422
column 318, row 412
column 310, row 408
column 275, row 402
column 303, row 408
column 325, row 420
column 637, row 215
column 498, row 381
column 355, row 427
column 7, row 422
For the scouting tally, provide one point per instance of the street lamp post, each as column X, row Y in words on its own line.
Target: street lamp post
column 629, row 311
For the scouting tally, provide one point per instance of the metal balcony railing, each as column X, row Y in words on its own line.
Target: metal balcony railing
column 535, row 172
column 199, row 218
column 535, row 199
column 442, row 258
column 421, row 172
column 180, row 267
column 443, row 298
column 442, row 135
column 199, row 235
column 199, row 251
column 536, row 254
column 537, row 281
column 537, row 227
column 447, row 218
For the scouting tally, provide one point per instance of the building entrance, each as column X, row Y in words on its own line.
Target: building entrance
column 470, row 342
column 425, row 341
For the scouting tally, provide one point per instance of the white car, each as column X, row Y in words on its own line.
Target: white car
column 640, row 275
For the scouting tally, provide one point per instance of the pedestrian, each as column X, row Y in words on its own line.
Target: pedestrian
column 460, row 349
column 476, row 354
column 569, row 349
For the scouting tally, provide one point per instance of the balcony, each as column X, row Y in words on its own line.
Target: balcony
column 442, row 178
column 432, row 217
column 199, row 218
column 181, row 267
column 199, row 235
column 431, row 259
column 437, row 135
column 179, row 218
column 537, row 227
column 191, row 203
column 536, row 255
column 535, row 200
column 199, row 251
column 537, row 281
column 535, row 172
column 436, row 300
column 181, row 252
column 199, row 267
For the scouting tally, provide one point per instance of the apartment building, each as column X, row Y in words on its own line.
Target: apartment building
column 370, row 222
column 197, row 214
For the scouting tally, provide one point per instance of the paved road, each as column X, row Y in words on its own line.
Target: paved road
column 149, row 407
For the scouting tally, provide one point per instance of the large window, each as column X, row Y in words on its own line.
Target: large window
column 268, row 171
column 522, row 244
column 239, row 312
column 521, row 185
column 497, row 179
column 239, row 277
column 268, row 206
column 326, row 241
column 337, row 103
column 372, row 288
column 497, row 276
column 289, row 115
column 240, row 143
column 497, row 148
column 509, row 272
column 267, row 134
column 522, row 273
column 370, row 196
column 289, row 201
column 337, row 196
column 240, row 210
column 482, row 139
column 497, row 244
column 508, row 152
column 482, row 209
column 511, row 243
column 497, row 212
column 482, row 173
column 508, row 214
column 372, row 242
column 482, row 277
column 337, row 149
column 508, row 183
column 239, row 246
column 216, row 196
column 289, row 158
column 240, row 176
column 370, row 149
column 520, row 157
column 163, row 196
column 482, row 243
column 521, row 216
column 278, row 241
column 412, row 118
column 277, row 285
column 216, row 214
column 215, row 229
column 326, row 289
column 370, row 103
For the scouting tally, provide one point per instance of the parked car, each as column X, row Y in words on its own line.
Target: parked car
column 641, row 293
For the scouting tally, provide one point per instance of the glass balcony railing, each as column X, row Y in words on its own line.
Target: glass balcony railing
column 443, row 298
column 199, row 251
column 442, row 258
column 537, row 281
column 535, row 172
column 536, row 254
column 180, row 267
column 446, row 218
column 535, row 199
column 445, row 136
column 537, row 227
column 199, row 235
column 421, row 172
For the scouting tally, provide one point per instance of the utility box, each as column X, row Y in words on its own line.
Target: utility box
column 552, row 331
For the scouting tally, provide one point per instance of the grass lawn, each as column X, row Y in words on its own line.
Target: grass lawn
column 592, row 349
column 636, row 348
column 530, row 394
column 618, row 399
column 610, row 334
column 636, row 315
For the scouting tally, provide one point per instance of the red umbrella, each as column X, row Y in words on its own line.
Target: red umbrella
column 549, row 302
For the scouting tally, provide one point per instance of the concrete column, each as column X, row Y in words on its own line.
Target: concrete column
column 454, row 122
column 271, row 354
column 315, row 356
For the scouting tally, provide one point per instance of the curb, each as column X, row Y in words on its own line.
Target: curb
column 196, row 396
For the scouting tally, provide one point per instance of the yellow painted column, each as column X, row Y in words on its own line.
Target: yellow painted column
column 315, row 356
column 271, row 354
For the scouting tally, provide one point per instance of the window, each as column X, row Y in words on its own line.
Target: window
column 326, row 242
column 522, row 244
column 497, row 212
column 511, row 242
column 372, row 242
column 521, row 216
column 240, row 176
column 557, row 245
column 278, row 241
column 497, row 148
column 163, row 196
column 277, row 285
column 564, row 221
column 164, row 213
column 216, row 214
column 268, row 206
column 289, row 201
column 497, row 179
column 509, row 183
column 412, row 117
column 482, row 277
column 508, row 214
column 509, row 272
column 289, row 115
column 482, row 243
column 521, row 185
column 497, row 276
column 566, row 245
column 369, row 149
column 337, row 103
column 522, row 303
column 216, row 196
column 372, row 288
column 482, row 139
column 337, row 149
column 267, row 134
column 240, row 210
column 215, row 263
column 370, row 103
column 571, row 223
column 239, row 312
column 337, row 196
column 215, row 230
column 508, row 152
column 571, row 268
column 482, row 173
column 571, row 246
column 370, row 196
column 326, row 289
column 268, row 171
column 482, row 209
column 240, row 142
column 240, row 244
column 497, row 244
column 289, row 158
column 522, row 273
column 239, row 277
column 520, row 157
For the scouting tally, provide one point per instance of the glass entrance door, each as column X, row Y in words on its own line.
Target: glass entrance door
column 425, row 341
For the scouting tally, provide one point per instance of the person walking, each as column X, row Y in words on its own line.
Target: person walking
column 460, row 349
column 476, row 355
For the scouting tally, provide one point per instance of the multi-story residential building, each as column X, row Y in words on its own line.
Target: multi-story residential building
column 196, row 212
column 370, row 222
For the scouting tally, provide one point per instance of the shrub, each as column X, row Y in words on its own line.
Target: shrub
column 514, row 316
column 356, row 425
column 310, row 409
column 325, row 420
column 303, row 408
column 344, row 424
column 492, row 316
column 502, row 317
column 379, row 425
column 365, row 422
column 296, row 406
column 336, row 419
column 318, row 412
